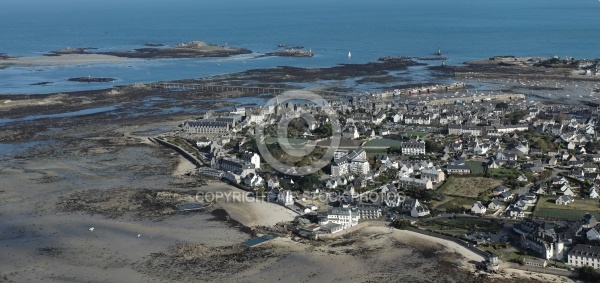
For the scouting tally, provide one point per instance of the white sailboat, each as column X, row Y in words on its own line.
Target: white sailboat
column 349, row 54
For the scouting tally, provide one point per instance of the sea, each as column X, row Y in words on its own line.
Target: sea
column 463, row 30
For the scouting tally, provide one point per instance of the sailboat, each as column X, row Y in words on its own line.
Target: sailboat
column 349, row 54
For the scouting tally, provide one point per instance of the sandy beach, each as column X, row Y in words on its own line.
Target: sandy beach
column 67, row 59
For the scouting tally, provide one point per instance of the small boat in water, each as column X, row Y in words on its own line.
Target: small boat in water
column 349, row 54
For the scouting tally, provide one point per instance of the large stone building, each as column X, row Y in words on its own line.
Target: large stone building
column 584, row 255
column 341, row 216
column 236, row 166
column 543, row 239
column 458, row 167
column 417, row 119
column 413, row 147
column 354, row 162
column 460, row 129
column 209, row 127
column 252, row 157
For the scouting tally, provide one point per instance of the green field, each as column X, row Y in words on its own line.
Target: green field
column 293, row 142
column 383, row 143
column 547, row 208
column 470, row 187
column 502, row 173
column 416, row 134
column 460, row 226
column 375, row 152
column 450, row 202
column 475, row 166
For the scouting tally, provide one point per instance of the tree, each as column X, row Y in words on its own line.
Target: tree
column 325, row 130
column 589, row 274
column 306, row 182
column 394, row 150
column 432, row 146
column 502, row 105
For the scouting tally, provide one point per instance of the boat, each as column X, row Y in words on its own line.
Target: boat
column 349, row 54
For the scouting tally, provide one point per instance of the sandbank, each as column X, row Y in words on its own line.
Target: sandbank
column 68, row 59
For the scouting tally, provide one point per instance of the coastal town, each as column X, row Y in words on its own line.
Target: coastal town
column 511, row 178
column 298, row 141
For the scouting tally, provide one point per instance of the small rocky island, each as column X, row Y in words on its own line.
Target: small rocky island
column 291, row 52
column 91, row 80
column 194, row 49
column 41, row 83
column 71, row 51
column 4, row 56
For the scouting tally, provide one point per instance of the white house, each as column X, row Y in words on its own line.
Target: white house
column 505, row 196
column 419, row 210
column 478, row 208
column 273, row 183
column 435, row 176
column 285, row 198
column 515, row 212
column 494, row 205
column 594, row 193
column 253, row 180
column 569, row 192
column 203, row 143
column 594, row 233
column 564, row 200
column 331, row 184
column 419, row 183
column 253, row 158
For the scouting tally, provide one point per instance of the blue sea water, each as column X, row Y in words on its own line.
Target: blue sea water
column 463, row 29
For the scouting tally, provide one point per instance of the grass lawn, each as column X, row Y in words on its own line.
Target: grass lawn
column 375, row 152
column 416, row 134
column 515, row 257
column 450, row 202
column 447, row 230
column 547, row 208
column 470, row 187
column 475, row 166
column 383, row 143
column 502, row 173
column 460, row 226
column 291, row 141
